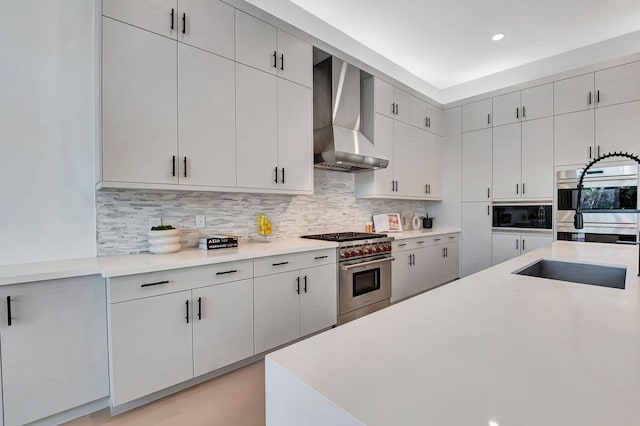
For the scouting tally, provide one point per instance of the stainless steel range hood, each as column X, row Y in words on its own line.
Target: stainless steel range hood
column 338, row 143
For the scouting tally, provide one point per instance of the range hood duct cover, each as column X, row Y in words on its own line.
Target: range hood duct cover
column 338, row 143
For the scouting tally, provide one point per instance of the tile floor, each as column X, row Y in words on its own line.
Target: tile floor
column 237, row 398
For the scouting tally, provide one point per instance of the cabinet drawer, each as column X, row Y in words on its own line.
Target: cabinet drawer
column 443, row 239
column 290, row 262
column 425, row 241
column 155, row 283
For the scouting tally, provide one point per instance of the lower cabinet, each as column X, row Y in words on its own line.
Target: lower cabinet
column 54, row 352
column 422, row 264
column 293, row 304
column 476, row 237
column 160, row 341
column 506, row 246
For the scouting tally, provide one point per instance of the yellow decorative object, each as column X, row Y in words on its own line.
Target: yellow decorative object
column 264, row 225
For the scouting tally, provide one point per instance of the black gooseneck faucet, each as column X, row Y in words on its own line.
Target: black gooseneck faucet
column 578, row 221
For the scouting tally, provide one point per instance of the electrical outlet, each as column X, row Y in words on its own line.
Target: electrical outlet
column 155, row 221
column 200, row 221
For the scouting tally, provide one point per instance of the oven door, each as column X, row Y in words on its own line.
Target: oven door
column 363, row 282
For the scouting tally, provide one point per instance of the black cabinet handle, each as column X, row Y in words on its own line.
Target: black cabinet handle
column 396, row 186
column 152, row 284
column 185, row 166
column 488, row 207
column 598, row 150
column 517, row 188
column 172, row 15
column 321, row 257
column 173, row 162
column 397, row 108
column 421, row 242
column 393, row 185
column 517, row 112
column 275, row 59
column 523, row 188
column 298, row 285
column 283, row 175
column 437, row 239
column 184, row 23
column 426, row 188
column 199, row 308
column 590, row 149
column 282, row 62
column 402, row 245
column 276, row 174
column 426, row 121
column 516, row 244
column 410, row 260
column 279, row 264
column 488, row 118
column 429, row 122
column 446, row 252
column 227, row 272
column 598, row 96
column 9, row 310
column 488, row 192
column 523, row 112
column 305, row 283
column 187, row 305
column 523, row 244
column 451, row 237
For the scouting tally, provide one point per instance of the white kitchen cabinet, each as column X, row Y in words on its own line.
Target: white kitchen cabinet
column 573, row 94
column 384, row 102
column 54, row 353
column 139, row 105
column 435, row 120
column 506, row 246
column 537, row 159
column 419, row 112
column 151, row 345
column 574, row 138
column 433, row 165
column 476, row 115
column 410, row 154
column 206, row 24
column 284, row 311
column 222, row 325
column 475, row 248
column 295, row 137
column 206, row 119
column 380, row 182
column 618, row 128
column 523, row 160
column 507, row 158
column 318, row 298
column 450, row 269
column 404, row 279
column 618, row 84
column 256, row 43
column 256, row 128
column 158, row 16
column 537, row 102
column 507, row 109
column 295, row 60
column 529, row 104
column 476, row 165
column 403, row 105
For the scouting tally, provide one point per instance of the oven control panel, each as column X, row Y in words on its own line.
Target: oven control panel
column 363, row 250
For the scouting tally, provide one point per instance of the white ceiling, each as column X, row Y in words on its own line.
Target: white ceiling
column 447, row 43
column 443, row 48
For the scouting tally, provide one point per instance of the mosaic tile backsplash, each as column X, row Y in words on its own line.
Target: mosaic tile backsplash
column 123, row 214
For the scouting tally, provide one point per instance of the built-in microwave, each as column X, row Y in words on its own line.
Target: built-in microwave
column 523, row 216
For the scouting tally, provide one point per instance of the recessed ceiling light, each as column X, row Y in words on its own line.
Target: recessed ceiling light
column 497, row 37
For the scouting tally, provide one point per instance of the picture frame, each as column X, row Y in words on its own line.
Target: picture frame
column 388, row 222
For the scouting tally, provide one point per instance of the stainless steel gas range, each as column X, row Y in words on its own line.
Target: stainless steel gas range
column 365, row 272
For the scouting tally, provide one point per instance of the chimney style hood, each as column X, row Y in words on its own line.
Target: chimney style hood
column 338, row 143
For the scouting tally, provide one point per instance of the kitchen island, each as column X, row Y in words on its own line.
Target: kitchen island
column 494, row 348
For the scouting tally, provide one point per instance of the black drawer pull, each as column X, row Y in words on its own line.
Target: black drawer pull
column 275, row 59
column 321, row 257
column 227, row 272
column 9, row 310
column 305, row 283
column 452, row 237
column 420, row 242
column 172, row 13
column 173, row 169
column 437, row 239
column 184, row 23
column 152, row 284
column 187, row 305
column 199, row 308
column 282, row 62
column 298, row 285
column 185, row 166
column 279, row 264
column 402, row 245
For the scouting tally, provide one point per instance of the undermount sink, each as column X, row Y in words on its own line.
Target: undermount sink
column 581, row 273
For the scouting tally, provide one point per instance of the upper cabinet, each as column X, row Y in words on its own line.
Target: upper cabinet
column 413, row 149
column 529, row 104
column 263, row 46
column 476, row 165
column 573, row 94
column 204, row 24
column 179, row 113
column 425, row 116
column 476, row 115
column 618, row 84
column 158, row 16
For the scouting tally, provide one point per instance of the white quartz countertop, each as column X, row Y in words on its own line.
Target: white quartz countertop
column 422, row 233
column 114, row 266
column 492, row 347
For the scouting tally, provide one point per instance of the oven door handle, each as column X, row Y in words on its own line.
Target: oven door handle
column 372, row 262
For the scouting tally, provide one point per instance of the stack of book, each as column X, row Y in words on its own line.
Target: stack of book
column 217, row 242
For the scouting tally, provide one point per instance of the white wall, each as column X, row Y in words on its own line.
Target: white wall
column 47, row 125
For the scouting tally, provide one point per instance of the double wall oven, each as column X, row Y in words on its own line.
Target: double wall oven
column 365, row 272
column 612, row 191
